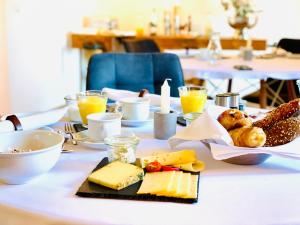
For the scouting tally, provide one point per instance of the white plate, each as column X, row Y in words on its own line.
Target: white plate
column 83, row 139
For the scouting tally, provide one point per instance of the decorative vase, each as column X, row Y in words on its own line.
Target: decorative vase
column 239, row 23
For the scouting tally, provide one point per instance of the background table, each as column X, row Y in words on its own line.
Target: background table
column 228, row 194
column 282, row 68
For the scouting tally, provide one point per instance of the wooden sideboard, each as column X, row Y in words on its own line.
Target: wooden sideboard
column 113, row 42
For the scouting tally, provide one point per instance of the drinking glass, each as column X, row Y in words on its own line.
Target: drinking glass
column 298, row 83
column 193, row 98
column 91, row 102
column 73, row 111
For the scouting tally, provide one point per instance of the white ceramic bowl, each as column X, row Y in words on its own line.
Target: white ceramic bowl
column 18, row 168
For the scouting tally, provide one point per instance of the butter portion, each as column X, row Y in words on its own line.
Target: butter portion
column 171, row 158
column 117, row 175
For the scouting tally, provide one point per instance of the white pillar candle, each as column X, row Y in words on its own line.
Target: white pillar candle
column 165, row 97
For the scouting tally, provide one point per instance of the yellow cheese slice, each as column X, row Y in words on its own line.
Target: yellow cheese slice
column 192, row 166
column 193, row 187
column 174, row 186
column 156, row 182
column 184, row 188
column 171, row 158
column 117, row 175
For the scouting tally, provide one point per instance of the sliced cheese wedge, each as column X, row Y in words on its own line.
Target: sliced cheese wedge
column 171, row 158
column 156, row 182
column 192, row 166
column 117, row 175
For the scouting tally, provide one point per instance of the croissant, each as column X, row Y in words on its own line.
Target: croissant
column 248, row 137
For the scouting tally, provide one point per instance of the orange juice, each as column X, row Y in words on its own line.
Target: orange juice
column 91, row 104
column 193, row 101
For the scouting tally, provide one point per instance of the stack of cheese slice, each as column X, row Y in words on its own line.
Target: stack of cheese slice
column 171, row 184
column 184, row 159
column 117, row 175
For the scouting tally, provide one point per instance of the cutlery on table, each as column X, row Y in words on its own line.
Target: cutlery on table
column 63, row 150
column 69, row 129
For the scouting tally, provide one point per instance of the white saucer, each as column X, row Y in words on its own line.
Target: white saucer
column 83, row 139
column 135, row 123
column 138, row 123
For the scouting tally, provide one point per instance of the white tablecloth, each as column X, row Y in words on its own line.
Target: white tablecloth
column 280, row 68
column 228, row 194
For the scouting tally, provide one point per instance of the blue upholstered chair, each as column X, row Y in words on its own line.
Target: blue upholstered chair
column 134, row 71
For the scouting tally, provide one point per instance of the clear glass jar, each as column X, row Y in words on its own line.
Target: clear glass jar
column 122, row 147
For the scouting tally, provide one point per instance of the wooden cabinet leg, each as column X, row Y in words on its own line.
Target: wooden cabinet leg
column 263, row 94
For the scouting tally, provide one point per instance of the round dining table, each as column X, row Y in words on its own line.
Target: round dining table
column 280, row 68
column 228, row 194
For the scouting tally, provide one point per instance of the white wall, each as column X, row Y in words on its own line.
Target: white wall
column 42, row 69
column 4, row 94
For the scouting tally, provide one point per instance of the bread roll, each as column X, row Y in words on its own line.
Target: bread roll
column 283, row 131
column 234, row 118
column 282, row 112
column 248, row 137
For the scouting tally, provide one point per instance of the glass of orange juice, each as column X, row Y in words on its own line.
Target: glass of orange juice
column 192, row 98
column 91, row 102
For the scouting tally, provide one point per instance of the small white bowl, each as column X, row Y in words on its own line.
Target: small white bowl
column 18, row 168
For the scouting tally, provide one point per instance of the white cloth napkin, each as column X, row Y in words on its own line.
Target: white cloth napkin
column 208, row 130
column 36, row 120
column 116, row 95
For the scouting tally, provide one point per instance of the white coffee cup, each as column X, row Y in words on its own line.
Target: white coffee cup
column 135, row 108
column 102, row 125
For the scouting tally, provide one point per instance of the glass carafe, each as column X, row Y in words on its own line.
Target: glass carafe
column 214, row 48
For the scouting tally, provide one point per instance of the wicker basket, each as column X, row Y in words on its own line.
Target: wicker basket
column 249, row 159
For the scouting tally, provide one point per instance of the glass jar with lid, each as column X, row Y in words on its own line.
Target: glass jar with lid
column 122, row 147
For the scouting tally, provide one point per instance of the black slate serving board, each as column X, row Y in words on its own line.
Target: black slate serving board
column 91, row 190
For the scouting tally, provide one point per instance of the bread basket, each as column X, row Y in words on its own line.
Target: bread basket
column 248, row 159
